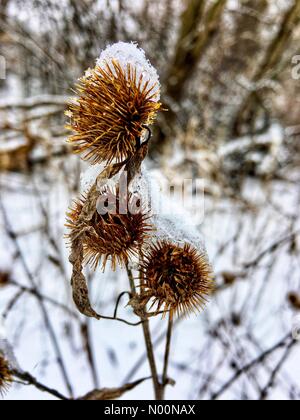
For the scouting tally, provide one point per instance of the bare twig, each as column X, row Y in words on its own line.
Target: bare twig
column 275, row 372
column 148, row 342
column 246, row 368
column 46, row 318
column 30, row 380
column 167, row 353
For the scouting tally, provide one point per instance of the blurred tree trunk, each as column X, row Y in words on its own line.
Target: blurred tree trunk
column 3, row 11
column 247, row 38
column 196, row 34
column 3, row 6
column 3, row 18
column 246, row 116
column 198, row 28
column 184, row 53
column 242, row 46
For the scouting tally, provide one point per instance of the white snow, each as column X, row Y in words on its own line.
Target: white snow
column 117, row 347
column 130, row 54
column 89, row 176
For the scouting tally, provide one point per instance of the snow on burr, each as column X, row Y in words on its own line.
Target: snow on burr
column 128, row 53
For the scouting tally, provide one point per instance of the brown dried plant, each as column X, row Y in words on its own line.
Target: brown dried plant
column 113, row 236
column 177, row 279
column 109, row 118
column 113, row 107
column 6, row 377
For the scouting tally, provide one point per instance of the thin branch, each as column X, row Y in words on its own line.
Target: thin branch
column 46, row 318
column 246, row 368
column 271, row 382
column 34, row 292
column 87, row 339
column 30, row 380
column 271, row 249
column 140, row 361
column 118, row 302
column 167, row 353
column 148, row 342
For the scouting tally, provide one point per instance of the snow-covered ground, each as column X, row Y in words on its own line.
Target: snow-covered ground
column 252, row 242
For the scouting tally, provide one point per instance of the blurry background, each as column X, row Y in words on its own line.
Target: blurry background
column 230, row 79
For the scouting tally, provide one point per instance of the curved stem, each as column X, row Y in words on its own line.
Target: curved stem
column 167, row 353
column 149, row 346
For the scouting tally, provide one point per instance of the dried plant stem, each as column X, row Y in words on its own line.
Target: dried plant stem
column 48, row 324
column 149, row 346
column 152, row 363
column 131, row 280
column 87, row 339
column 156, row 341
column 167, row 353
column 30, row 380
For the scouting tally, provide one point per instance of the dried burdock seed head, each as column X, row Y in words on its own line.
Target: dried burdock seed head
column 6, row 377
column 178, row 279
column 116, row 100
column 113, row 236
column 74, row 213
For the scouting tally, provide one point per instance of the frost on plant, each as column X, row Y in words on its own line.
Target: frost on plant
column 129, row 54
